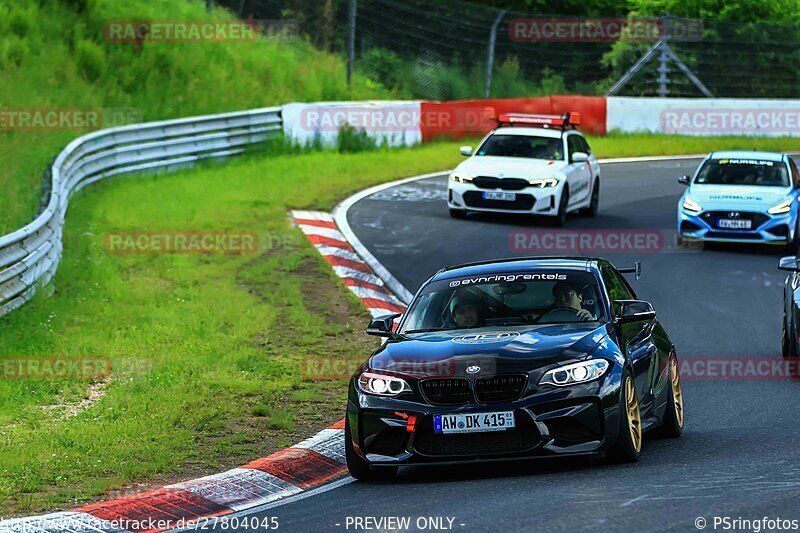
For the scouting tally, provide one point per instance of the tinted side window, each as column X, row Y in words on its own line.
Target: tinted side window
column 572, row 145
column 795, row 175
column 584, row 146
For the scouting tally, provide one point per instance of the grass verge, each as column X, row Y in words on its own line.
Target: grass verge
column 204, row 350
column 637, row 144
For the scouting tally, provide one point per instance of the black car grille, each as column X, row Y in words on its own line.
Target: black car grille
column 499, row 388
column 507, row 184
column 523, row 437
column 732, row 236
column 712, row 218
column 523, row 202
column 446, row 391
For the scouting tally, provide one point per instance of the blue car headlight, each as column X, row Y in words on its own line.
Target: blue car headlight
column 781, row 208
column 691, row 206
column 575, row 373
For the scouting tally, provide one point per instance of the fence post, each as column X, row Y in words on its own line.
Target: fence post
column 663, row 58
column 490, row 53
column 351, row 40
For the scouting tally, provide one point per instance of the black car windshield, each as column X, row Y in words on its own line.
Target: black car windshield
column 743, row 172
column 527, row 146
column 512, row 299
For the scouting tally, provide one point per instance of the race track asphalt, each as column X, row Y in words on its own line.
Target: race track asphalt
column 740, row 454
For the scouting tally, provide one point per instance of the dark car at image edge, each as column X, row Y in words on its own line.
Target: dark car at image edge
column 529, row 381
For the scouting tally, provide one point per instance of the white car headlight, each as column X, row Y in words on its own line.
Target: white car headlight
column 575, row 373
column 783, row 207
column 544, row 182
column 461, row 178
column 382, row 385
column 691, row 205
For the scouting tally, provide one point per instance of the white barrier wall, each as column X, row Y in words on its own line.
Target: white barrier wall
column 704, row 116
column 394, row 122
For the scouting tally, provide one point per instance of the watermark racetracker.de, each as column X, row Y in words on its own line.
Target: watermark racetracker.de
column 171, row 242
column 716, row 120
column 738, row 368
column 54, row 367
column 388, row 119
column 597, row 241
column 196, row 31
column 601, row 30
column 72, row 119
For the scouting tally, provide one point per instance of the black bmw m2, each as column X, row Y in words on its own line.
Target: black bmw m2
column 514, row 359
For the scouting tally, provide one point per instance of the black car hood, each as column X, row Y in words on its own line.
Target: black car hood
column 494, row 350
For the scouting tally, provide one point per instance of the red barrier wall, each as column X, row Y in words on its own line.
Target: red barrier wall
column 474, row 118
column 591, row 108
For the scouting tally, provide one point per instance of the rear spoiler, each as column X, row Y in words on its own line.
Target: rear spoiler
column 636, row 270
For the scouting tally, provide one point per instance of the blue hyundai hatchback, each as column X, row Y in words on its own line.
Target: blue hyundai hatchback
column 741, row 196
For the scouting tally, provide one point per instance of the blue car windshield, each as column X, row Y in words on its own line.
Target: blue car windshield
column 511, row 299
column 526, row 146
column 743, row 172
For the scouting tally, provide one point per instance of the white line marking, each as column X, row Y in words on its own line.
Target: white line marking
column 627, row 503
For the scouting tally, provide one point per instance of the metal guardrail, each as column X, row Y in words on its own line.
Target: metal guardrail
column 29, row 256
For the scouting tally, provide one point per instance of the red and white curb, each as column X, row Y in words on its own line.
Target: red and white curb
column 304, row 466
column 359, row 277
column 307, row 465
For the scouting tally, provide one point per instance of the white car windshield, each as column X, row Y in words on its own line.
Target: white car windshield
column 743, row 172
column 527, row 146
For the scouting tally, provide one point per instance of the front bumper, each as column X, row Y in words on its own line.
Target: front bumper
column 767, row 229
column 530, row 200
column 550, row 421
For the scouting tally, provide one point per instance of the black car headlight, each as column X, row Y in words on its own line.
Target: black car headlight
column 575, row 373
column 382, row 385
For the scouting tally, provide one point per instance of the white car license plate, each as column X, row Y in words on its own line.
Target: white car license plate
column 734, row 224
column 473, row 422
column 502, row 196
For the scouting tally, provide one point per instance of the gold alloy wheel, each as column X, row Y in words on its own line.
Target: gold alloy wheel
column 677, row 393
column 634, row 418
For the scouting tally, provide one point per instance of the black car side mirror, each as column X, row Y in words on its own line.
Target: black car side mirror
column 633, row 311
column 788, row 263
column 382, row 326
column 684, row 180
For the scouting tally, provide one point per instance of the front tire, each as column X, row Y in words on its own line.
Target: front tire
column 594, row 203
column 458, row 213
column 628, row 447
column 358, row 467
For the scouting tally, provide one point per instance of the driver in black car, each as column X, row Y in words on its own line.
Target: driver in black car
column 569, row 296
column 465, row 311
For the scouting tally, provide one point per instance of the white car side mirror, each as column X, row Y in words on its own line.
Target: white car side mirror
column 465, row 150
column 580, row 157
